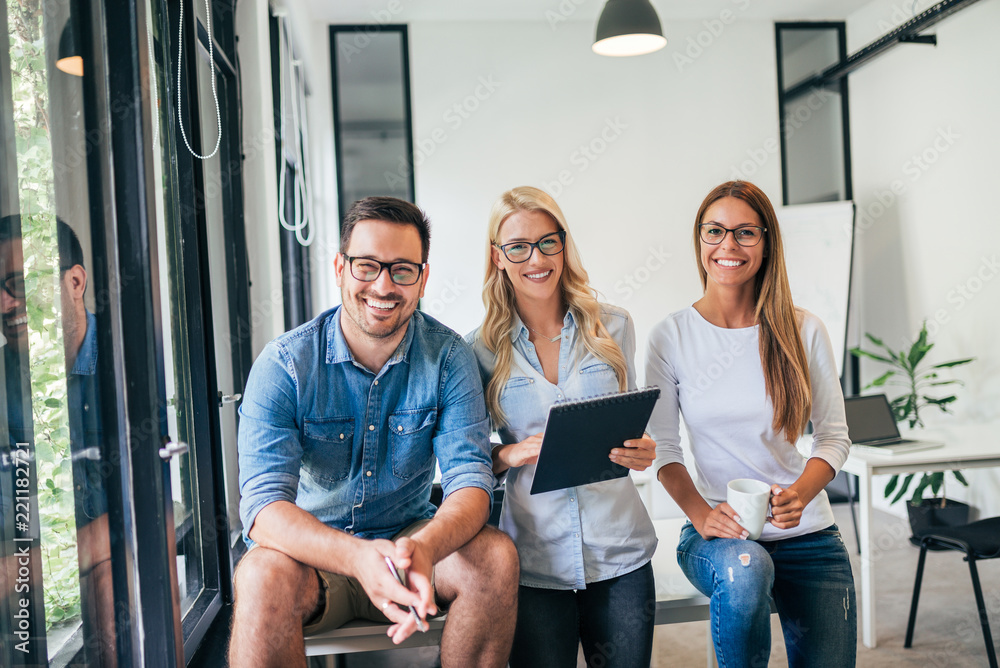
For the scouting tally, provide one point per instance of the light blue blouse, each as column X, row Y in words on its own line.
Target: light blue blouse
column 570, row 537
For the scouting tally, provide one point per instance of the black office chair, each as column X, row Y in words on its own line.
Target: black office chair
column 978, row 540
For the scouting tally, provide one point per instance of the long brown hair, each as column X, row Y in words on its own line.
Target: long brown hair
column 782, row 355
column 577, row 295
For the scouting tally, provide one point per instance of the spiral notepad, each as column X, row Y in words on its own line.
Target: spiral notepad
column 580, row 434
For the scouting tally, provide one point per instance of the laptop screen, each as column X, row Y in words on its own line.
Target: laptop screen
column 870, row 418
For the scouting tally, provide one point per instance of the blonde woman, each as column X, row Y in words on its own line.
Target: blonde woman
column 744, row 417
column 585, row 551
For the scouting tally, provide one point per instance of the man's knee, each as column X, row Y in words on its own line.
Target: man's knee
column 487, row 563
column 269, row 577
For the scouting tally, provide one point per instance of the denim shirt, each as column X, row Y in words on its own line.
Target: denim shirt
column 570, row 537
column 85, row 434
column 354, row 448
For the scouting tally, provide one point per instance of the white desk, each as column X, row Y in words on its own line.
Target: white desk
column 966, row 447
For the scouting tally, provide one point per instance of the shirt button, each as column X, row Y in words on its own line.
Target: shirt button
column 531, row 380
column 399, row 428
column 342, row 437
column 576, row 535
column 371, row 427
column 376, row 382
column 572, row 499
column 368, row 473
column 351, row 532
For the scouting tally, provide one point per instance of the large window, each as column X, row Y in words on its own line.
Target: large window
column 124, row 331
column 815, row 146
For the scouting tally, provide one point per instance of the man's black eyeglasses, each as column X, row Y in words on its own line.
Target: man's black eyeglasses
column 367, row 269
column 520, row 251
column 13, row 284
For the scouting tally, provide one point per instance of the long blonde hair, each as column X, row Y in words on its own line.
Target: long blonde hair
column 499, row 298
column 782, row 355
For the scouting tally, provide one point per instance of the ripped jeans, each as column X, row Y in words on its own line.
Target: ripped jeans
column 809, row 578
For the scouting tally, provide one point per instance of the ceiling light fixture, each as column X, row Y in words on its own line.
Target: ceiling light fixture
column 628, row 28
column 70, row 61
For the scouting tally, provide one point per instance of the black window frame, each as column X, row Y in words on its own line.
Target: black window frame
column 840, row 86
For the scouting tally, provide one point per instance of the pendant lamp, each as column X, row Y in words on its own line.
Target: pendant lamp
column 628, row 28
column 69, row 59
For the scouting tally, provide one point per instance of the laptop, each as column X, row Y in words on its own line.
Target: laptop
column 871, row 426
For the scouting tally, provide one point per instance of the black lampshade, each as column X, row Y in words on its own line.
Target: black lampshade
column 628, row 28
column 69, row 58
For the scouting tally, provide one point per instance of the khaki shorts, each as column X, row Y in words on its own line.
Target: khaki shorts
column 342, row 598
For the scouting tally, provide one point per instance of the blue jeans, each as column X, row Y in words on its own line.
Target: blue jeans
column 809, row 577
column 612, row 618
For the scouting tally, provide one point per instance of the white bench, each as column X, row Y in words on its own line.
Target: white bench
column 677, row 601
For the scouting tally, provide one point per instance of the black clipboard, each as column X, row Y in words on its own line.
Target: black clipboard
column 580, row 434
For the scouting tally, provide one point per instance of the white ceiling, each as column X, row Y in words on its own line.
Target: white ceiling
column 366, row 11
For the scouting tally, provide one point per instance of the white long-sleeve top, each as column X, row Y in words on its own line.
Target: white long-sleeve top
column 713, row 376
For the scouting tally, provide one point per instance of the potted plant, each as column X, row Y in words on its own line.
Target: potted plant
column 917, row 379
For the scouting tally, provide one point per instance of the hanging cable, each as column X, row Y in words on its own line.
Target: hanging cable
column 211, row 61
column 299, row 187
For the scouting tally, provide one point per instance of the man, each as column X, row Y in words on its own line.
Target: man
column 83, row 399
column 340, row 427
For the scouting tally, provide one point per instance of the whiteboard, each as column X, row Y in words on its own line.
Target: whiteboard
column 818, row 240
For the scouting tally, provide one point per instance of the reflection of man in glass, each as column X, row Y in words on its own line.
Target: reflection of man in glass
column 80, row 343
column 15, row 416
column 93, row 541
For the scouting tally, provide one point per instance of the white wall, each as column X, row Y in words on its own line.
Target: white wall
column 637, row 144
column 260, row 197
column 924, row 119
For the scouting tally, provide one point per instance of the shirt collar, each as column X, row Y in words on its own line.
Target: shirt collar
column 86, row 357
column 337, row 350
column 518, row 326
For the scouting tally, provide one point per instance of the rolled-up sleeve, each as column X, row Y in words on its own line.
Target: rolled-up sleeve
column 462, row 439
column 270, row 450
column 830, row 440
column 664, row 424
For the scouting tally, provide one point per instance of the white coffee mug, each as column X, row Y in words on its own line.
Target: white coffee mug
column 749, row 499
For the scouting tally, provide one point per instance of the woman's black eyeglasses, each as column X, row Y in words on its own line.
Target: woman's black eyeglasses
column 520, row 251
column 713, row 234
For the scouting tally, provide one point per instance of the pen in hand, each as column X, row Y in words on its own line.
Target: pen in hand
column 399, row 578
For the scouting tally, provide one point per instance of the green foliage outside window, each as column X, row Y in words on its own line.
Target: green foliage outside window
column 60, row 566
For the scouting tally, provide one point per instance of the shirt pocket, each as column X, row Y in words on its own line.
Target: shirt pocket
column 328, row 447
column 411, row 449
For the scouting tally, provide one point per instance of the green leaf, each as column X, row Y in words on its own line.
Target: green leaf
column 961, row 478
column 877, row 341
column 891, row 485
column 918, row 493
column 880, row 381
column 953, row 363
column 53, row 403
column 858, row 352
column 902, row 488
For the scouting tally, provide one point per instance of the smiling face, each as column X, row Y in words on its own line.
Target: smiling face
column 728, row 264
column 538, row 278
column 14, row 312
column 379, row 309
